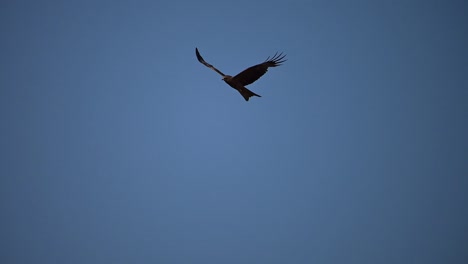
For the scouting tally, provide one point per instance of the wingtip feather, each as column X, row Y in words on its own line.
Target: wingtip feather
column 199, row 57
column 277, row 59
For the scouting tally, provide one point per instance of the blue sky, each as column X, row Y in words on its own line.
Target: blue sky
column 118, row 146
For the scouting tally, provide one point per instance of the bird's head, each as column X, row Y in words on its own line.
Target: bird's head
column 227, row 77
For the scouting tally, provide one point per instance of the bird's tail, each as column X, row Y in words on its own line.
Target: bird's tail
column 246, row 93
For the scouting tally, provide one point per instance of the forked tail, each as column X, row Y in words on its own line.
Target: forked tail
column 246, row 93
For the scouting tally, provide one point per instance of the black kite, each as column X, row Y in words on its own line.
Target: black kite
column 248, row 75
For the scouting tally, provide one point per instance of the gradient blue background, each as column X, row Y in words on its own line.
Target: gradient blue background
column 118, row 146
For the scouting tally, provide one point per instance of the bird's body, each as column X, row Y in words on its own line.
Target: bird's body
column 246, row 93
column 247, row 76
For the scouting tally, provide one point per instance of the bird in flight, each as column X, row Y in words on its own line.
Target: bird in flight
column 248, row 75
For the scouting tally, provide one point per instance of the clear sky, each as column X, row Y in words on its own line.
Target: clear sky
column 118, row 146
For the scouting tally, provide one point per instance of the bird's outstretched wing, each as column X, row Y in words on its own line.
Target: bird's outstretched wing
column 200, row 59
column 253, row 73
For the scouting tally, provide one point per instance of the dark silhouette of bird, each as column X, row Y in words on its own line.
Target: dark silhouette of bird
column 248, row 75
